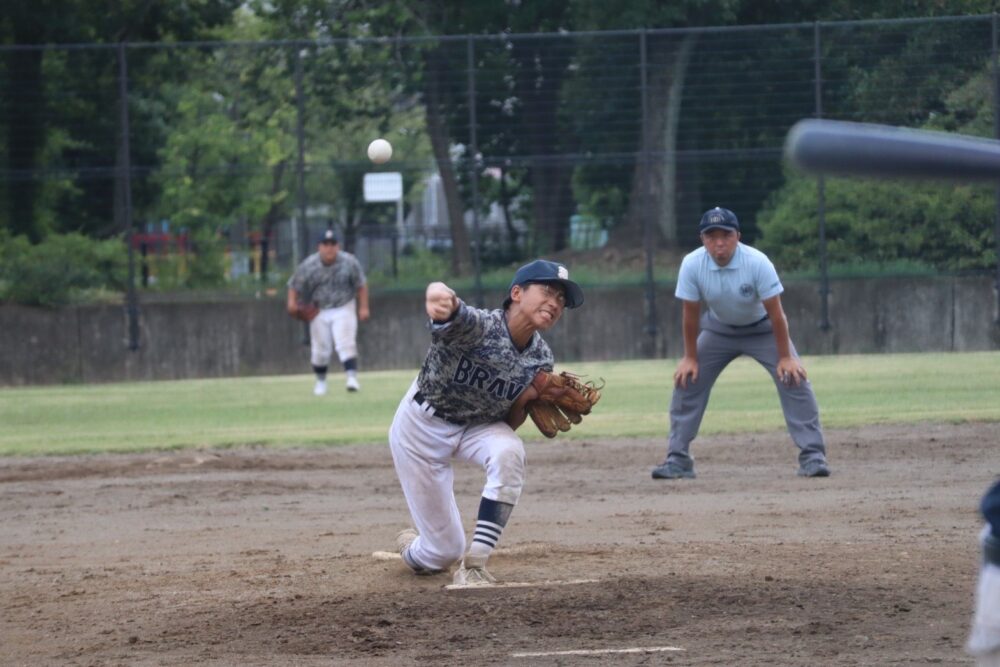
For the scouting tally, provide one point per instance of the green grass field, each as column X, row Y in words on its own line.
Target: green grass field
column 281, row 411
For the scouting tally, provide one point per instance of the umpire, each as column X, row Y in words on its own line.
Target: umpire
column 744, row 316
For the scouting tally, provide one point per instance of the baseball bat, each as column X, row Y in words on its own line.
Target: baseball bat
column 861, row 149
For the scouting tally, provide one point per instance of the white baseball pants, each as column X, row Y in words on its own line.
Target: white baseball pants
column 423, row 448
column 334, row 327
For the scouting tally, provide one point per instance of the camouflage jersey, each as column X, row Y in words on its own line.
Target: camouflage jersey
column 473, row 372
column 328, row 286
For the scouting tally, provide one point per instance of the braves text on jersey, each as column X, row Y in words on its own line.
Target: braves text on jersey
column 473, row 372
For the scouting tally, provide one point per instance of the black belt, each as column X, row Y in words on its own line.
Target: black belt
column 418, row 398
column 747, row 326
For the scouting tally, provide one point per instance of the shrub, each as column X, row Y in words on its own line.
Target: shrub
column 947, row 227
column 60, row 269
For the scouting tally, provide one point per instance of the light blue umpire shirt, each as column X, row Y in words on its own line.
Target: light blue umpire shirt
column 733, row 292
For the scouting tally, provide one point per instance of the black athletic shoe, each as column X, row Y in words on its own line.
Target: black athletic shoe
column 671, row 470
column 814, row 469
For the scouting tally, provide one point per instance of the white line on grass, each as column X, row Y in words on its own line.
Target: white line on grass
column 599, row 651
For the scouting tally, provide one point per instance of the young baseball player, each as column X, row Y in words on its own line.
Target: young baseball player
column 744, row 316
column 334, row 280
column 465, row 405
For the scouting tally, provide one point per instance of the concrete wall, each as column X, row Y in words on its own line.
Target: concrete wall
column 255, row 337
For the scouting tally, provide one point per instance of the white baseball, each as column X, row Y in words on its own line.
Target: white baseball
column 379, row 151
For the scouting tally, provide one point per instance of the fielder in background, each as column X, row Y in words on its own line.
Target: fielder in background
column 333, row 282
column 984, row 639
column 465, row 405
column 744, row 316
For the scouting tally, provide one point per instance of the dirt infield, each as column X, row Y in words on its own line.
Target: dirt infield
column 259, row 557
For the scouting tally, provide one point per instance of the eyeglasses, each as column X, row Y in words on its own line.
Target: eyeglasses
column 554, row 292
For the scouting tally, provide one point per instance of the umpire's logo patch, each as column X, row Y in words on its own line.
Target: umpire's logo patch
column 746, row 290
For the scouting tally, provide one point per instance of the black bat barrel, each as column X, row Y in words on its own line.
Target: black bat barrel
column 862, row 149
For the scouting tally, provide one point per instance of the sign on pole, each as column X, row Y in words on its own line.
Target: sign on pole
column 386, row 187
column 383, row 186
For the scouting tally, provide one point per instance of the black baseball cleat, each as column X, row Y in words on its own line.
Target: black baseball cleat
column 814, row 469
column 671, row 470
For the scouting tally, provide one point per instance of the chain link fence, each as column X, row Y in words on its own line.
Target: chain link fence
column 508, row 146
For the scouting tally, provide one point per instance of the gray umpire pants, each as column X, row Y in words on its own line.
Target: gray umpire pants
column 719, row 344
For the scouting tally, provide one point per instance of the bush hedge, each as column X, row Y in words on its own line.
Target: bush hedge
column 61, row 269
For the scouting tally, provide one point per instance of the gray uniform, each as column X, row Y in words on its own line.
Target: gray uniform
column 455, row 410
column 328, row 286
column 472, row 372
column 735, row 324
column 333, row 287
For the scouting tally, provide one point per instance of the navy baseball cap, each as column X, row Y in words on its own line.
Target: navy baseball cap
column 328, row 237
column 544, row 271
column 718, row 218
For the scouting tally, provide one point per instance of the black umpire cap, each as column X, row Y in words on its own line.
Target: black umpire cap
column 718, row 218
column 544, row 271
column 328, row 237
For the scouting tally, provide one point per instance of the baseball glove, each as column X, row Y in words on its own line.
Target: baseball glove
column 306, row 312
column 562, row 401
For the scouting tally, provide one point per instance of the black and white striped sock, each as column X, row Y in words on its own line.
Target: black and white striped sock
column 487, row 533
column 490, row 523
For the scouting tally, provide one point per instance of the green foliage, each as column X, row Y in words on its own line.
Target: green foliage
column 213, row 126
column 203, row 266
column 61, row 269
column 602, row 192
column 415, row 268
column 208, row 269
column 944, row 226
column 64, row 113
column 217, row 161
column 947, row 227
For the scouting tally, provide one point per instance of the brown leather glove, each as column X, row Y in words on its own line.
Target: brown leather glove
column 306, row 312
column 562, row 401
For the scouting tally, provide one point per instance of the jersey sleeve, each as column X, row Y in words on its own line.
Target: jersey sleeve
column 298, row 280
column 466, row 327
column 768, row 283
column 687, row 284
column 359, row 274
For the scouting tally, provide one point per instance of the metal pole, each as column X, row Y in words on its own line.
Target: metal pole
column 132, row 300
column 824, row 276
column 647, row 189
column 474, row 170
column 996, row 192
column 395, row 254
column 300, row 166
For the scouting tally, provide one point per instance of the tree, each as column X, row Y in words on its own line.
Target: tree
column 29, row 138
column 679, row 119
column 230, row 159
column 355, row 89
column 652, row 187
column 515, row 106
column 942, row 226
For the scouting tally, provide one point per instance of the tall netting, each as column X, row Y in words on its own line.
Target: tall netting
column 60, row 125
column 505, row 146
